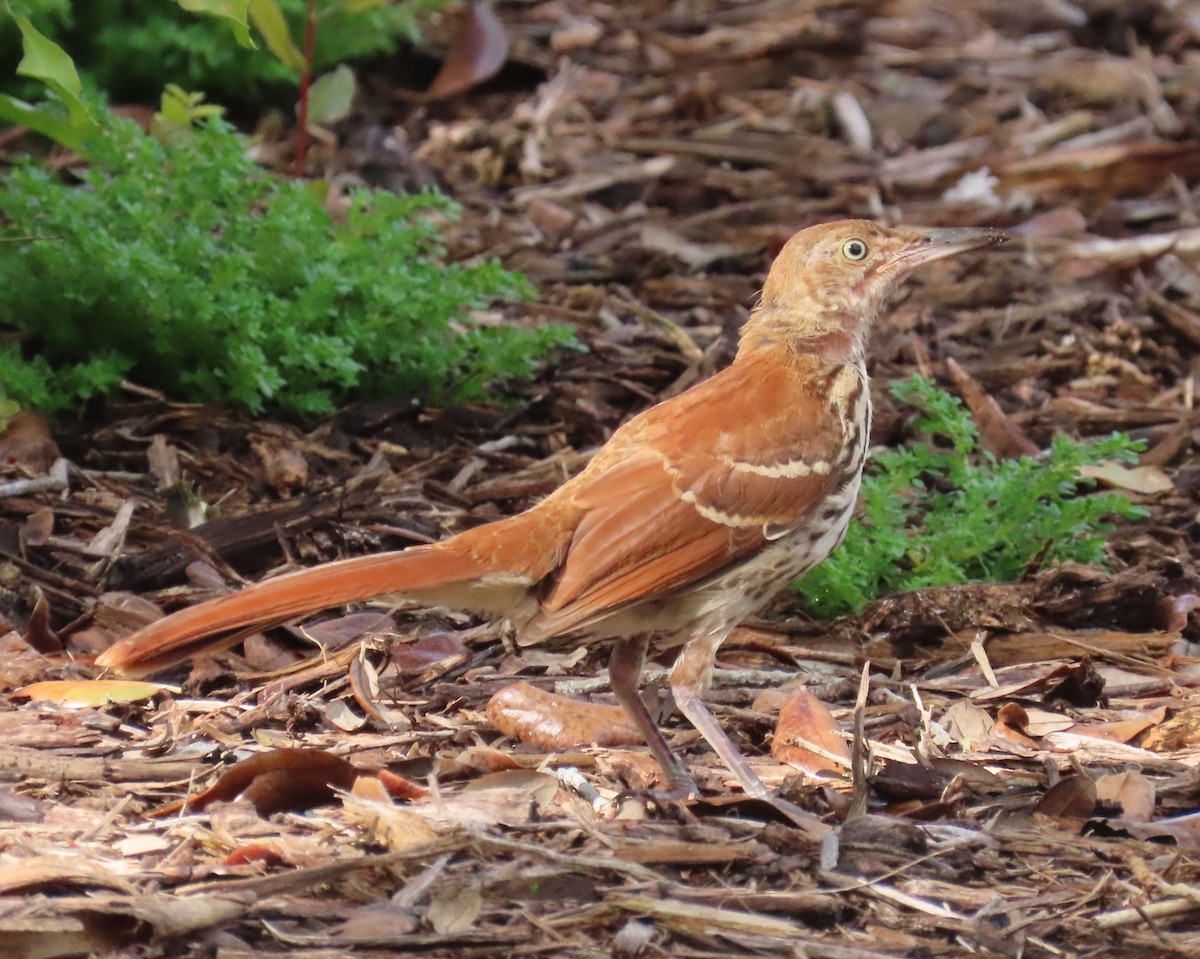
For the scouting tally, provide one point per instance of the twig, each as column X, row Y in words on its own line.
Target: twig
column 310, row 34
column 1155, row 910
column 55, row 481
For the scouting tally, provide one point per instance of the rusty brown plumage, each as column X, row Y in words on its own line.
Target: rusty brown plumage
column 690, row 518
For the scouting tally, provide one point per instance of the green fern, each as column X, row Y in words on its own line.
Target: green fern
column 945, row 512
column 187, row 268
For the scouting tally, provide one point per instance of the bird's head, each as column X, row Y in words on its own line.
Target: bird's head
column 830, row 281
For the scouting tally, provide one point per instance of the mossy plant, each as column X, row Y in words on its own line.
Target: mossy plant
column 943, row 511
column 189, row 269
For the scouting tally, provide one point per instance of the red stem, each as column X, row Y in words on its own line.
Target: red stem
column 310, row 34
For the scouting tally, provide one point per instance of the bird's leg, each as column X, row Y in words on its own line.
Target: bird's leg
column 690, row 678
column 624, row 672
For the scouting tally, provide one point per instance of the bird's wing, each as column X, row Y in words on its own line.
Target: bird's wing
column 701, row 484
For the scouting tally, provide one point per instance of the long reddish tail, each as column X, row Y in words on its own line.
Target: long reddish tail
column 439, row 574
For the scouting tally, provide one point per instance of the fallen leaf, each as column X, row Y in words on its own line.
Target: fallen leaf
column 454, row 909
column 1174, row 610
column 1121, row 730
column 91, row 693
column 163, row 460
column 257, row 853
column 339, row 715
column 423, row 654
column 282, row 779
column 1131, row 791
column 379, row 920
column 1179, row 732
column 399, row 787
column 334, row 633
column 364, row 684
column 39, row 634
column 967, row 723
column 541, row 787
column 38, row 528
column 1011, row 724
column 26, row 442
column 1070, row 798
column 1136, row 479
column 396, row 828
column 550, row 721
column 803, row 721
column 286, row 470
column 1039, row 722
column 478, row 52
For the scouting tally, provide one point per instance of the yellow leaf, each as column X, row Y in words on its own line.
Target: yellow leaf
column 269, row 19
column 83, row 693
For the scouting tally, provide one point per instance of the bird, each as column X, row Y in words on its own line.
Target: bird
column 690, row 518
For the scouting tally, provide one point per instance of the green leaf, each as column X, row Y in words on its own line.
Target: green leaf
column 39, row 119
column 269, row 20
column 331, row 96
column 232, row 12
column 45, row 60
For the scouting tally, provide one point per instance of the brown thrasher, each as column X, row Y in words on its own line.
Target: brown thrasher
column 690, row 518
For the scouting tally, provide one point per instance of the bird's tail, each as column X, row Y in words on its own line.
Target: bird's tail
column 456, row 573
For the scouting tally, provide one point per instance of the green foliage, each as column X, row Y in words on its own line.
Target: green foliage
column 47, row 63
column 187, row 268
column 946, row 512
column 133, row 48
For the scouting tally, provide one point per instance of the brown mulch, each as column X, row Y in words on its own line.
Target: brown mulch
column 1028, row 751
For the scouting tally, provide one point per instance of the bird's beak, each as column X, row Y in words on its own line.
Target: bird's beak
column 929, row 245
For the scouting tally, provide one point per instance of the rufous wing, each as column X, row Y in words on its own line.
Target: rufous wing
column 702, row 486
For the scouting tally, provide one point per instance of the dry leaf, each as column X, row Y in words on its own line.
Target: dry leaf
column 1131, row 791
column 38, row 528
column 429, row 656
column 479, row 50
column 1121, row 730
column 39, row 634
column 550, row 721
column 454, row 909
column 364, row 684
column 26, row 442
column 967, row 723
column 541, row 787
column 1070, row 798
column 91, row 693
column 285, row 468
column 1179, row 732
column 805, row 720
column 1136, row 479
column 282, row 779
column 1011, row 724
column 163, row 460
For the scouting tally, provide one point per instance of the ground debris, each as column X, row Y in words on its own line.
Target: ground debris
column 1028, row 753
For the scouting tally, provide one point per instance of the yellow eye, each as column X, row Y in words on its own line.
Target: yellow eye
column 855, row 249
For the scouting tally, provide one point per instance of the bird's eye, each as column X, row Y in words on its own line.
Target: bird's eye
column 855, row 249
